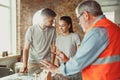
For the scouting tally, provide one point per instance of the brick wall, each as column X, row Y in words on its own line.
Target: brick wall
column 26, row 9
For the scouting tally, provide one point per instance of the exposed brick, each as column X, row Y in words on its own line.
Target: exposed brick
column 29, row 7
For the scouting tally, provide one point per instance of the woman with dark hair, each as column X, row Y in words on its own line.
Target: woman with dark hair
column 70, row 39
column 67, row 20
column 67, row 42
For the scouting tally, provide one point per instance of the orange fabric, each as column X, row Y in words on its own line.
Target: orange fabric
column 110, row 71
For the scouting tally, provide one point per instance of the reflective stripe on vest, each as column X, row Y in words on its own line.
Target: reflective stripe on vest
column 106, row 60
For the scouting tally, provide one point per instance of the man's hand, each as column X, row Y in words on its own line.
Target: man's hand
column 61, row 56
column 49, row 66
column 24, row 69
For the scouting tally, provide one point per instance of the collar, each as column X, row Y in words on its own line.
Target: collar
column 94, row 22
column 42, row 29
column 99, row 18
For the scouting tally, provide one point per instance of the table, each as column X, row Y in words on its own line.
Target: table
column 18, row 76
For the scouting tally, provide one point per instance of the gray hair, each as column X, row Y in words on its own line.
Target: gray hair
column 48, row 12
column 38, row 17
column 90, row 6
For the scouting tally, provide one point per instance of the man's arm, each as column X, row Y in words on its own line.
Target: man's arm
column 94, row 42
column 53, row 50
column 25, row 57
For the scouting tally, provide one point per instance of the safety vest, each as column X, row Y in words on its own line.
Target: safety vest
column 107, row 65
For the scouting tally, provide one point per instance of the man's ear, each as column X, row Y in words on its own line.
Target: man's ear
column 86, row 15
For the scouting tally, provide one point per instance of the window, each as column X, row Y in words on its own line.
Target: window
column 110, row 15
column 8, row 26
